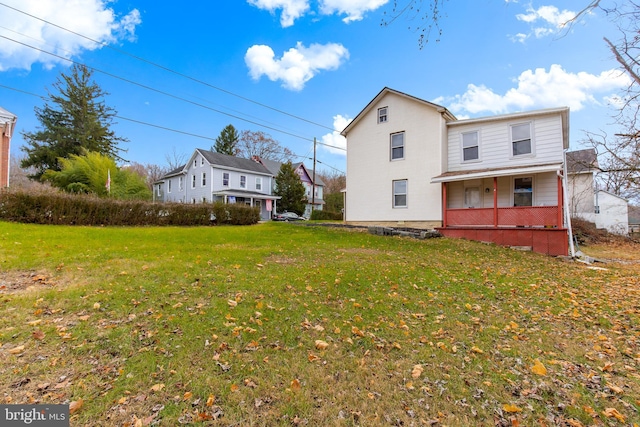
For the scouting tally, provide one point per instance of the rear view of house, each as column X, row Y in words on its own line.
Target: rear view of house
column 500, row 179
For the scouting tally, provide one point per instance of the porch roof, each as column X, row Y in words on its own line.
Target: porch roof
column 495, row 172
column 244, row 193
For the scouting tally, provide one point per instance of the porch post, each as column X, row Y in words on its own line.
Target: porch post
column 560, row 201
column 495, row 202
column 444, row 205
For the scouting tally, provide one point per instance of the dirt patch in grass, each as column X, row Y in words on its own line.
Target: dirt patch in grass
column 12, row 282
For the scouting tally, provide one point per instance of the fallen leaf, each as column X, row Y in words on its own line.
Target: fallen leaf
column 96, row 306
column 321, row 345
column 475, row 349
column 188, row 395
column 234, row 388
column 417, row 371
column 232, row 303
column 511, row 408
column 538, row 368
column 16, row 350
column 75, row 406
column 613, row 413
column 157, row 387
column 37, row 334
column 295, row 385
column 211, row 400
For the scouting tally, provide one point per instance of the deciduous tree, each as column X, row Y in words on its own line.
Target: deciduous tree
column 258, row 143
column 73, row 121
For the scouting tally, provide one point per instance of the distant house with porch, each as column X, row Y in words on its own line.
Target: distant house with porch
column 314, row 190
column 7, row 126
column 210, row 177
column 412, row 163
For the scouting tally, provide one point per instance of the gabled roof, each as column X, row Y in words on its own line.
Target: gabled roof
column 439, row 108
column 274, row 167
column 582, row 161
column 6, row 116
column 232, row 162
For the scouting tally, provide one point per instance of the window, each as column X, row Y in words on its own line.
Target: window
column 193, row 181
column 169, row 186
column 400, row 194
column 523, row 191
column 225, row 179
column 159, row 189
column 521, row 139
column 472, row 197
column 470, row 146
column 195, row 162
column 397, row 146
column 204, row 179
column 243, row 181
column 201, row 161
column 382, row 115
column 258, row 183
column 180, row 183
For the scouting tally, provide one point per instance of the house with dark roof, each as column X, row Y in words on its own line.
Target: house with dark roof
column 313, row 184
column 412, row 163
column 210, row 177
column 7, row 125
column 605, row 209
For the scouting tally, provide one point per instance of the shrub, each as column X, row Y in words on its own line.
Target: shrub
column 69, row 209
column 326, row 215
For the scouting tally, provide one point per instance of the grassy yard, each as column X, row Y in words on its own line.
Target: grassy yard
column 283, row 324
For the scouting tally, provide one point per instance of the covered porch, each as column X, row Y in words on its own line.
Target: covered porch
column 510, row 206
column 265, row 202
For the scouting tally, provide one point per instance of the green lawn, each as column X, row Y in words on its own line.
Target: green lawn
column 284, row 324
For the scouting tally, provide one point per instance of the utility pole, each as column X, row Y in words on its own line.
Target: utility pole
column 313, row 179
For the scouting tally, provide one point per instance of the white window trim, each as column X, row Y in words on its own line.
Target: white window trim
column 462, row 147
column 404, row 146
column 531, row 138
column 259, row 183
column 245, row 181
column 180, row 183
column 385, row 115
column 203, row 179
column 533, row 189
column 393, row 194
column 228, row 179
column 193, row 181
column 168, row 186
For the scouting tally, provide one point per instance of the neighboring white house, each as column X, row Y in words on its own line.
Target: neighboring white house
column 7, row 126
column 604, row 209
column 412, row 163
column 314, row 201
column 210, row 177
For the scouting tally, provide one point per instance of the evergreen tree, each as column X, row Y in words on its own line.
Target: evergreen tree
column 227, row 141
column 291, row 189
column 76, row 120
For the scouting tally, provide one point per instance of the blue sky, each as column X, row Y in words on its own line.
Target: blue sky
column 318, row 61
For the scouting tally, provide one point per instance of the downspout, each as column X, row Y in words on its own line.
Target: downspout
column 567, row 216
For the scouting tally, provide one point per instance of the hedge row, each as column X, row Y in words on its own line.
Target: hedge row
column 326, row 215
column 68, row 209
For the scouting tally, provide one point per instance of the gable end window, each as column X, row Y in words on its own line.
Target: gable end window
column 521, row 139
column 225, row 179
column 400, row 193
column 397, row 146
column 382, row 115
column 470, row 146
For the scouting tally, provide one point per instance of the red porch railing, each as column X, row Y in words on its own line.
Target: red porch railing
column 523, row 216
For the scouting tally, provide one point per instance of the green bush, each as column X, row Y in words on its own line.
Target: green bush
column 326, row 215
column 73, row 209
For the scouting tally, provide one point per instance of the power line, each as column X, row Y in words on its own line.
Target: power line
column 44, row 98
column 124, row 52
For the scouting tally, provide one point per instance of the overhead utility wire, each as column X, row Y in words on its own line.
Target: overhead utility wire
column 167, row 93
column 124, row 52
column 44, row 98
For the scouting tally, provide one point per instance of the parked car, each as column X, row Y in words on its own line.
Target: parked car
column 288, row 216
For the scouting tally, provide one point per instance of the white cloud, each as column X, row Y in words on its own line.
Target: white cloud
column 354, row 9
column 542, row 89
column 545, row 20
column 91, row 18
column 334, row 142
column 291, row 9
column 297, row 66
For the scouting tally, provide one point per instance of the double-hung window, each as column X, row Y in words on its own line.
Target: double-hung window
column 523, row 191
column 382, row 115
column 225, row 179
column 521, row 139
column 169, row 186
column 400, row 193
column 180, row 183
column 397, row 146
column 258, row 183
column 470, row 146
column 193, row 181
column 243, row 181
column 204, row 179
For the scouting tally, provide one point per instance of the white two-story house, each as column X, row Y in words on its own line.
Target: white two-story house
column 210, row 177
column 412, row 163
